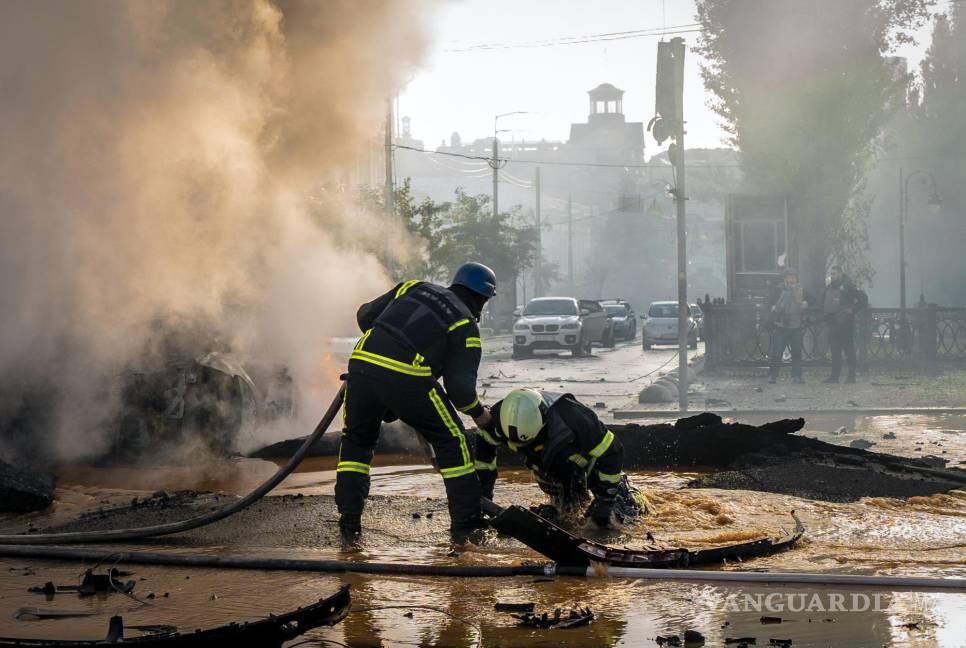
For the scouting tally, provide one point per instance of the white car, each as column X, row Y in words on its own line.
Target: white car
column 661, row 325
column 561, row 323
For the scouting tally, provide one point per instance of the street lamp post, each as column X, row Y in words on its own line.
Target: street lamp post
column 495, row 160
column 934, row 201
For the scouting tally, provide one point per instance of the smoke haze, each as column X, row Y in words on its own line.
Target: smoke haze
column 157, row 163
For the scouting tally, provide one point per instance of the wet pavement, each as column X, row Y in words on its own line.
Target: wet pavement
column 920, row 536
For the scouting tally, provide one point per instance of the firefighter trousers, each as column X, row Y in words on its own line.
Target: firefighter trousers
column 422, row 404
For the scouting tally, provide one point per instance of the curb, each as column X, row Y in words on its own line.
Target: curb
column 789, row 413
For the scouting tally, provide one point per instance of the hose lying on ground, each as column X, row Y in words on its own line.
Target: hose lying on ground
column 119, row 535
column 178, row 559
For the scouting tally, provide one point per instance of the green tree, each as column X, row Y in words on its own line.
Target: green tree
column 934, row 135
column 452, row 233
column 468, row 231
column 805, row 89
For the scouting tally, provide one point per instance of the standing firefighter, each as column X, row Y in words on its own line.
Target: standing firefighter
column 840, row 301
column 413, row 335
column 569, row 451
column 788, row 305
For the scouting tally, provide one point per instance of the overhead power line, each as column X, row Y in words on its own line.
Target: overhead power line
column 563, row 162
column 687, row 28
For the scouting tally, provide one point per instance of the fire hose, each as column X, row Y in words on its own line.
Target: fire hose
column 13, row 547
column 119, row 535
column 318, row 565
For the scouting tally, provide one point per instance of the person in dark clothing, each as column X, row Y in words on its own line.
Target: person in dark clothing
column 569, row 451
column 840, row 301
column 788, row 305
column 413, row 335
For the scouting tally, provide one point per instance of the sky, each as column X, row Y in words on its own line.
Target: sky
column 462, row 91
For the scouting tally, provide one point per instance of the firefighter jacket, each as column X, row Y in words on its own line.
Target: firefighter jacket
column 421, row 330
column 573, row 441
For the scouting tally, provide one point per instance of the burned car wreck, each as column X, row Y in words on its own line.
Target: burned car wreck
column 210, row 399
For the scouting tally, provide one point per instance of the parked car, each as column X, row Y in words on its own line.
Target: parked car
column 661, row 325
column 698, row 316
column 561, row 323
column 623, row 317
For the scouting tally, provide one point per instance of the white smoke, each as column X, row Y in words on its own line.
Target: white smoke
column 156, row 160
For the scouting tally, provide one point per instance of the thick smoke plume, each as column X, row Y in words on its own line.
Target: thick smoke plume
column 161, row 163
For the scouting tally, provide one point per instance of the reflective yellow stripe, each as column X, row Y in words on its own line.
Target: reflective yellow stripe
column 487, row 437
column 390, row 363
column 580, row 460
column 610, row 479
column 352, row 466
column 470, row 406
column 451, row 425
column 473, row 343
column 458, row 471
column 458, row 324
column 406, row 286
column 482, row 465
column 603, row 445
column 363, row 339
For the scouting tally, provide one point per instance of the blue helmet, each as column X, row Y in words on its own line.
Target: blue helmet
column 476, row 277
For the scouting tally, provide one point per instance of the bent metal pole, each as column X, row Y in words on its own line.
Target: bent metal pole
column 262, row 562
column 120, row 535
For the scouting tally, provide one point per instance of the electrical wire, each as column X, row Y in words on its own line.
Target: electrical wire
column 489, row 159
column 688, row 28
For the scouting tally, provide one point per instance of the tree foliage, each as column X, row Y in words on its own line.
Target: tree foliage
column 934, row 135
column 805, row 90
column 452, row 233
column 468, row 231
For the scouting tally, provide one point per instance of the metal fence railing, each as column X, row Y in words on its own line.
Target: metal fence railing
column 740, row 334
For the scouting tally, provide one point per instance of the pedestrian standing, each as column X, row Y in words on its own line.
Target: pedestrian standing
column 788, row 305
column 840, row 301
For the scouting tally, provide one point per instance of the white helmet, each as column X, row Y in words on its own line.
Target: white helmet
column 522, row 415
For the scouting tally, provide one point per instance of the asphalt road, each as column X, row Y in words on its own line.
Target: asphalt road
column 607, row 380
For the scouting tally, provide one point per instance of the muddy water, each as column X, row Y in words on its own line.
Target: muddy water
column 923, row 536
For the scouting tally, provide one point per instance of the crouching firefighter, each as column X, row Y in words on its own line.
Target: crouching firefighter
column 569, row 451
column 413, row 335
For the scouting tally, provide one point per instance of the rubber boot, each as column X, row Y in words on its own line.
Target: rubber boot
column 350, row 531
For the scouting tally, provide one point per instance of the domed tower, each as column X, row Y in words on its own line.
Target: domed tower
column 607, row 136
column 606, row 104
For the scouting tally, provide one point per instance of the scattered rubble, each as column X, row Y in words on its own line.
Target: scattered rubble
column 23, row 491
column 31, row 613
column 514, row 607
column 576, row 617
column 655, row 393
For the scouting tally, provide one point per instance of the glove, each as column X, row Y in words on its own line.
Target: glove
column 485, row 420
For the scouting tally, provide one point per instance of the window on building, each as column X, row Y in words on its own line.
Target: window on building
column 759, row 244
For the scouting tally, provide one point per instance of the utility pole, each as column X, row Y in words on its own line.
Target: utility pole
column 495, row 164
column 538, row 262
column 902, row 246
column 683, row 309
column 570, row 242
column 669, row 122
column 389, row 197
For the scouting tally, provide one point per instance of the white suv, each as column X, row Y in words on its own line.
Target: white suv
column 561, row 323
